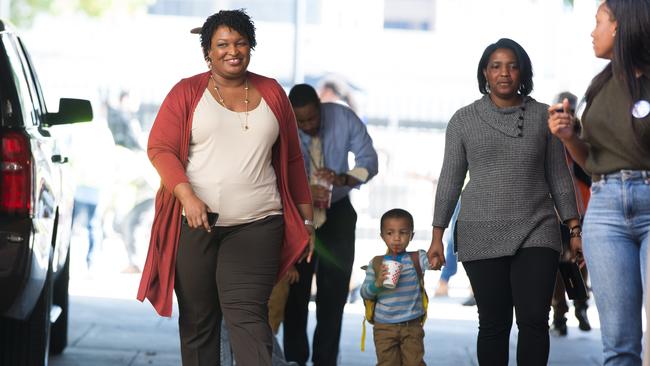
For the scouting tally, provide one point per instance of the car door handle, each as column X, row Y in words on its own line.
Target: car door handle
column 59, row 159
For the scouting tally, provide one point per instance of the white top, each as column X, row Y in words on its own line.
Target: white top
column 229, row 167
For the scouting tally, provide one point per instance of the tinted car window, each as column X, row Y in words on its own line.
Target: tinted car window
column 20, row 83
column 9, row 105
column 32, row 80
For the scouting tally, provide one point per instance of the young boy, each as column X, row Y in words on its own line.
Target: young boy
column 399, row 312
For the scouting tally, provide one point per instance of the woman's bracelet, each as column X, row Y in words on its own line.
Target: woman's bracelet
column 575, row 231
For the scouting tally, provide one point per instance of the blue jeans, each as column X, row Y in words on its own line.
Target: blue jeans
column 89, row 210
column 615, row 243
column 451, row 265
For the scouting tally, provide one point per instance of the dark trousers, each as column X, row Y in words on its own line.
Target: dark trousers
column 525, row 281
column 559, row 303
column 332, row 264
column 231, row 272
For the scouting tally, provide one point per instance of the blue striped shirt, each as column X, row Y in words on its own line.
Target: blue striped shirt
column 341, row 132
column 402, row 303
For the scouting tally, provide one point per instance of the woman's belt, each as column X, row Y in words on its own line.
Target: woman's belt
column 623, row 175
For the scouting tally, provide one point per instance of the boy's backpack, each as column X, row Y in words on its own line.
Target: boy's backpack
column 369, row 305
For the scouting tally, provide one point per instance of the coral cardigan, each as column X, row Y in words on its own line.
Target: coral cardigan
column 168, row 150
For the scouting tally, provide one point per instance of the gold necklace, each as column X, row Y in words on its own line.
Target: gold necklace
column 244, row 125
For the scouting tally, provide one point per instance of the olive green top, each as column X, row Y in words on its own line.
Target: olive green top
column 607, row 128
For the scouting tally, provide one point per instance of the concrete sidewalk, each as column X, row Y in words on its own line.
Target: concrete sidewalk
column 121, row 331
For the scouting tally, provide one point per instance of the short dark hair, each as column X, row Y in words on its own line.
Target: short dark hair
column 233, row 19
column 525, row 66
column 303, row 94
column 397, row 213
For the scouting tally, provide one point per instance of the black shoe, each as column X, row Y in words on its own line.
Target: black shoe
column 583, row 321
column 558, row 328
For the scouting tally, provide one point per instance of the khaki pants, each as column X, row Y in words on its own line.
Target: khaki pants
column 399, row 344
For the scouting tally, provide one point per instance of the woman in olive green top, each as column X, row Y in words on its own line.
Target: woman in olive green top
column 615, row 148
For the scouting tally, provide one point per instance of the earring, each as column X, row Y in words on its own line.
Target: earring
column 208, row 60
column 614, row 34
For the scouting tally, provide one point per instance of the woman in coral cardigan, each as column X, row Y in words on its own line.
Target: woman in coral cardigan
column 234, row 208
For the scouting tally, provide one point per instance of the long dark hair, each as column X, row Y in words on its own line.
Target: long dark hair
column 631, row 52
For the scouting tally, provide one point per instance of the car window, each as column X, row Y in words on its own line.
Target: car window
column 32, row 80
column 19, row 77
column 9, row 115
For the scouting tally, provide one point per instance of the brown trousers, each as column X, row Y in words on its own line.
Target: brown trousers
column 398, row 344
column 231, row 272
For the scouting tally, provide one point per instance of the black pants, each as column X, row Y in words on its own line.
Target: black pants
column 231, row 272
column 525, row 281
column 332, row 264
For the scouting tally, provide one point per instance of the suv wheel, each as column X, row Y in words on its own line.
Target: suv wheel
column 27, row 342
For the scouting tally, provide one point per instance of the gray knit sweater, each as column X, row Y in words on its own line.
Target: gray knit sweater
column 518, row 179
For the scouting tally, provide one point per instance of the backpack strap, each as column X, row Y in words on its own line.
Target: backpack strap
column 376, row 264
column 369, row 305
column 415, row 258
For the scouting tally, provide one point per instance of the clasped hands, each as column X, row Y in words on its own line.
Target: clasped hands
column 436, row 254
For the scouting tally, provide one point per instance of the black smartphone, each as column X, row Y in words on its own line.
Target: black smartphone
column 212, row 219
column 573, row 101
column 573, row 281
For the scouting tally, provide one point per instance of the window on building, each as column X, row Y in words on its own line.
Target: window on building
column 409, row 14
column 282, row 11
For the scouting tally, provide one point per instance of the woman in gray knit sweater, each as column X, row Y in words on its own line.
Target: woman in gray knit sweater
column 507, row 233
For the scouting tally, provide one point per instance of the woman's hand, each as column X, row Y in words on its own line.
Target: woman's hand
column 312, row 242
column 436, row 254
column 561, row 121
column 196, row 211
column 575, row 245
column 309, row 251
column 307, row 213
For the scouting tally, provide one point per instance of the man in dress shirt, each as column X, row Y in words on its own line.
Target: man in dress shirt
column 328, row 132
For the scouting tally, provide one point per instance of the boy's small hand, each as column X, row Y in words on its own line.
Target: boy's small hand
column 379, row 282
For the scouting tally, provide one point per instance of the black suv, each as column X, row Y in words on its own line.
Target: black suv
column 35, row 212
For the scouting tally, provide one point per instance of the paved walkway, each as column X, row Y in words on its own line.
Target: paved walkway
column 118, row 330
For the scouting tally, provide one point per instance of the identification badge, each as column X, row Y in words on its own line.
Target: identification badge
column 641, row 109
